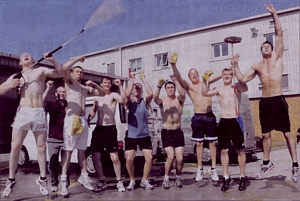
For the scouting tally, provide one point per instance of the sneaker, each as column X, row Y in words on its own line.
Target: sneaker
column 265, row 169
column 120, row 186
column 178, row 183
column 295, row 174
column 99, row 187
column 200, row 174
column 43, row 186
column 242, row 186
column 64, row 188
column 54, row 188
column 166, row 183
column 85, row 181
column 145, row 184
column 214, row 174
column 225, row 184
column 131, row 185
column 9, row 187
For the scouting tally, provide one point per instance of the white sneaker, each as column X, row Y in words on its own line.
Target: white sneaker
column 131, row 185
column 64, row 188
column 9, row 187
column 295, row 174
column 200, row 174
column 54, row 188
column 214, row 174
column 145, row 184
column 85, row 181
column 43, row 186
column 120, row 186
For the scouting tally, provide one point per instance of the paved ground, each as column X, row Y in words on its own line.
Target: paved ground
column 277, row 185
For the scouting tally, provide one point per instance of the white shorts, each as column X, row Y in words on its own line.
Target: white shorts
column 33, row 119
column 78, row 141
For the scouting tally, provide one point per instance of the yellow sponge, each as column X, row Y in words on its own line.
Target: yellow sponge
column 207, row 75
column 173, row 58
column 77, row 128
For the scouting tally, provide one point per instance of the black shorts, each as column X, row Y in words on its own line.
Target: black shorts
column 143, row 143
column 105, row 138
column 230, row 133
column 274, row 114
column 172, row 138
column 204, row 127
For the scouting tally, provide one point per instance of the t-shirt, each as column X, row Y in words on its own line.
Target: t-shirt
column 57, row 113
column 137, row 119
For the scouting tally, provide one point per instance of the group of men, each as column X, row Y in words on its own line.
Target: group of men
column 68, row 126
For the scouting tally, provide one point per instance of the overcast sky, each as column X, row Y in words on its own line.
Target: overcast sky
column 39, row 26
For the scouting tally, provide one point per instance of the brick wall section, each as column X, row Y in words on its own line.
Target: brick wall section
column 294, row 112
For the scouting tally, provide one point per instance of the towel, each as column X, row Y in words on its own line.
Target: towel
column 77, row 128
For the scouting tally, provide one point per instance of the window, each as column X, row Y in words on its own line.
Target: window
column 220, row 50
column 161, row 60
column 135, row 64
column 270, row 38
column 285, row 81
column 111, row 68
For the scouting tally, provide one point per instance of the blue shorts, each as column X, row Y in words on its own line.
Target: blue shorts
column 204, row 127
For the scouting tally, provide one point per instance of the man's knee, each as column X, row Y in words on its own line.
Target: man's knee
column 224, row 152
column 266, row 136
column 199, row 144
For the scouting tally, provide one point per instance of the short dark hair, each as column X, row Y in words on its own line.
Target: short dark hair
column 226, row 69
column 108, row 78
column 76, row 67
column 266, row 42
column 169, row 82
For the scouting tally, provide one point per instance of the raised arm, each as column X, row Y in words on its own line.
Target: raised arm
column 58, row 72
column 182, row 81
column 94, row 88
column 156, row 97
column 149, row 91
column 92, row 113
column 66, row 67
column 9, row 84
column 49, row 85
column 130, row 85
column 240, row 77
column 122, row 98
column 180, row 90
column 278, row 31
column 205, row 91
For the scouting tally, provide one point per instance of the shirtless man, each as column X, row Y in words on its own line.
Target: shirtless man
column 203, row 122
column 75, row 125
column 138, row 129
column 31, row 116
column 273, row 109
column 171, row 108
column 105, row 134
column 229, row 130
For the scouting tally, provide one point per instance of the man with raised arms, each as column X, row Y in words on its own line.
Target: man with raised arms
column 273, row 108
column 75, row 125
column 204, row 122
column 31, row 116
column 171, row 108
column 229, row 129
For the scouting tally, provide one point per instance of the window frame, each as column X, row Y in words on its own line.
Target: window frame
column 136, row 68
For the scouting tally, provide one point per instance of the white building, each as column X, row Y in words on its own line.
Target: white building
column 204, row 49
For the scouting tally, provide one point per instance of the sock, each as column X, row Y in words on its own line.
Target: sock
column 212, row 168
column 63, row 177
column 266, row 162
column 177, row 176
column 84, row 174
column 295, row 164
column 43, row 178
column 167, row 177
column 226, row 177
column 119, row 180
column 13, row 179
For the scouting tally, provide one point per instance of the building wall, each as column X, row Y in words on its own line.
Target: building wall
column 194, row 48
